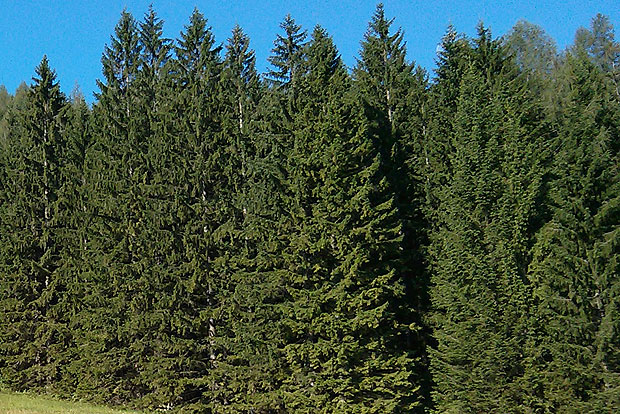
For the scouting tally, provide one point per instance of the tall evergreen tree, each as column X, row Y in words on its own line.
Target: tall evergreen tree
column 156, row 245
column 34, row 332
column 480, row 247
column 261, row 280
column 393, row 92
column 243, row 368
column 452, row 61
column 307, row 261
column 116, row 170
column 73, row 212
column 287, row 58
column 204, row 177
column 575, row 266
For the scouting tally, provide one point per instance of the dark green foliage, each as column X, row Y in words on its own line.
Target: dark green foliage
column 33, row 328
column 243, row 370
column 287, row 58
column 204, row 241
column 575, row 266
column 262, row 279
column 117, row 173
column 394, row 99
column 487, row 217
column 74, row 213
column 194, row 126
column 5, row 101
column 452, row 61
column 10, row 106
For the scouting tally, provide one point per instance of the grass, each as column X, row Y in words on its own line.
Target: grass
column 11, row 403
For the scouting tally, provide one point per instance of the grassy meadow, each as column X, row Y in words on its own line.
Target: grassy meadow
column 11, row 403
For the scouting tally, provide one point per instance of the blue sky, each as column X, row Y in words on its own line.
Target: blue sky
column 73, row 32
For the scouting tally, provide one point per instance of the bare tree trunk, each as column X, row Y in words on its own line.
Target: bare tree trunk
column 240, row 115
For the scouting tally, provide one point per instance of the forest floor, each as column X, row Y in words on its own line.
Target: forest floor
column 11, row 403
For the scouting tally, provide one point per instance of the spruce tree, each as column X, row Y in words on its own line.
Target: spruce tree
column 243, row 365
column 34, row 330
column 262, row 278
column 287, row 58
column 393, row 92
column 480, row 248
column 452, row 61
column 153, row 345
column 203, row 276
column 575, row 266
column 74, row 213
column 306, row 257
column 116, row 170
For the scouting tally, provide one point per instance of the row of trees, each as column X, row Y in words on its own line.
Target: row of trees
column 205, row 239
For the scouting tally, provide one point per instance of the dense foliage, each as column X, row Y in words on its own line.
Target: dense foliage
column 317, row 240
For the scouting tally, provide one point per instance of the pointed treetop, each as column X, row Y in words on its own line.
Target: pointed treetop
column 489, row 55
column 120, row 59
column 453, row 48
column 240, row 59
column 484, row 36
column 448, row 40
column 323, row 56
column 379, row 32
column 156, row 48
column 484, row 33
column 197, row 25
column 45, row 87
column 196, row 45
column 379, row 25
column 125, row 31
column 22, row 90
column 46, row 74
column 238, row 46
column 45, row 95
column 380, row 48
column 287, row 52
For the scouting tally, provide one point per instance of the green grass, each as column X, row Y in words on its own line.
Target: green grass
column 11, row 403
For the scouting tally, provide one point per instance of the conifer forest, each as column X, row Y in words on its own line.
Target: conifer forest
column 205, row 238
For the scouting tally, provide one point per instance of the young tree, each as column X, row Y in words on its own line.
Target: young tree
column 534, row 50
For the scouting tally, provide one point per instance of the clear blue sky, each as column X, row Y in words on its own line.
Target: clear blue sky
column 73, row 32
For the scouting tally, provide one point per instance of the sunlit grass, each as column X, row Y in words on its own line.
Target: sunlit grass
column 11, row 403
